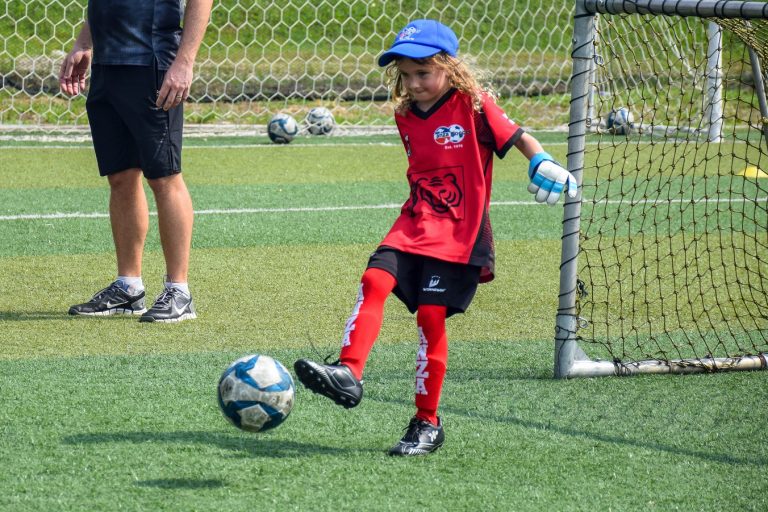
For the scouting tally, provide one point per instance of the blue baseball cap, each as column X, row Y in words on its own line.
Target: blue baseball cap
column 420, row 39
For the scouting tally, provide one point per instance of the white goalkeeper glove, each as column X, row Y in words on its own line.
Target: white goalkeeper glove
column 549, row 179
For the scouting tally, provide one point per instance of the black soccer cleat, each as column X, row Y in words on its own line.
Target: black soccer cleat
column 421, row 437
column 112, row 300
column 173, row 305
column 334, row 381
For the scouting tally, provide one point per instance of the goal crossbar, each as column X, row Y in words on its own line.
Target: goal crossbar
column 698, row 8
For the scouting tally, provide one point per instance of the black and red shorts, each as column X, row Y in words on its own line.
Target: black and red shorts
column 425, row 280
column 128, row 129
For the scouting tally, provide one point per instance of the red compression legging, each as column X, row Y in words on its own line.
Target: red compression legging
column 431, row 360
column 363, row 328
column 365, row 321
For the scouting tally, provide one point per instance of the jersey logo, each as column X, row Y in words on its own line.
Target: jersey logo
column 437, row 192
column 449, row 134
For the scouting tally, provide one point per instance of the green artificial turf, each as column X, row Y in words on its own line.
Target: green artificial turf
column 111, row 414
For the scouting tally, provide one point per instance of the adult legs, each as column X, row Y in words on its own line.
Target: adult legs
column 129, row 217
column 175, row 219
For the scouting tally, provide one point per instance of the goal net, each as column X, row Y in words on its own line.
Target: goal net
column 665, row 252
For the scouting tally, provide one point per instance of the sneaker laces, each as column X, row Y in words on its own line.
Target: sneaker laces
column 102, row 293
column 165, row 298
column 337, row 362
column 417, row 424
column 412, row 430
column 327, row 358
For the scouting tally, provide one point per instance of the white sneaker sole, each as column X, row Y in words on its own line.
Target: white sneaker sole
column 116, row 311
column 185, row 316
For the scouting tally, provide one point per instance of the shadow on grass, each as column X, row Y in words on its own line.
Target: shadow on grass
column 34, row 315
column 258, row 445
column 503, row 374
column 181, row 483
column 473, row 375
column 542, row 426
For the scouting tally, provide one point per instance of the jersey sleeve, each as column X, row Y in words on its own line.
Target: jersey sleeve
column 505, row 131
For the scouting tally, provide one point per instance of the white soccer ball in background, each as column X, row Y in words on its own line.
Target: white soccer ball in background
column 282, row 128
column 620, row 121
column 256, row 393
column 320, row 121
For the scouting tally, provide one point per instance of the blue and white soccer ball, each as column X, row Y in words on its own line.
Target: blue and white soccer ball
column 320, row 121
column 282, row 128
column 620, row 121
column 256, row 393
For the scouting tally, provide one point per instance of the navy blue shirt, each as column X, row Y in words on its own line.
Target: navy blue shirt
column 135, row 32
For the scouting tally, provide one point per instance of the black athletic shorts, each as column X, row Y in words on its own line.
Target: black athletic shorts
column 128, row 130
column 424, row 280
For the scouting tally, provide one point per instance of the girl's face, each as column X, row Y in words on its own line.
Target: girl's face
column 424, row 83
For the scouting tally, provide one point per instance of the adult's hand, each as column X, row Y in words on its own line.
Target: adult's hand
column 74, row 68
column 175, row 88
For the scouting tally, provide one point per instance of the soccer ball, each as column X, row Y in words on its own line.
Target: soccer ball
column 282, row 128
column 256, row 393
column 620, row 121
column 320, row 121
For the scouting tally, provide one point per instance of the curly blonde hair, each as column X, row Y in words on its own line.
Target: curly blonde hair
column 459, row 73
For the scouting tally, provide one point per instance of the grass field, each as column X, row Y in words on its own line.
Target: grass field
column 110, row 414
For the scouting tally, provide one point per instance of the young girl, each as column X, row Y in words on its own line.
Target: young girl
column 441, row 245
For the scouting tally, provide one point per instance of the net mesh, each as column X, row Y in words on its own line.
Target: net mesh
column 259, row 58
column 674, row 228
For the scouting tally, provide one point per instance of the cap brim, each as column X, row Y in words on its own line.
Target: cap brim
column 410, row 50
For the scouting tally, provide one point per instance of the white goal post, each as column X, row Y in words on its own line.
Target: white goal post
column 664, row 263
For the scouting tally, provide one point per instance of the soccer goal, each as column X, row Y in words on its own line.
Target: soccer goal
column 665, row 250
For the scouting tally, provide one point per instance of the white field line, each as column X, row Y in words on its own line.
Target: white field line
column 244, row 146
column 268, row 147
column 240, row 211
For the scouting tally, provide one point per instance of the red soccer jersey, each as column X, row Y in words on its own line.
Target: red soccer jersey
column 450, row 168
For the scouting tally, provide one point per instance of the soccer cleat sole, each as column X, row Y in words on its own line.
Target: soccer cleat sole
column 109, row 312
column 411, row 452
column 317, row 381
column 181, row 318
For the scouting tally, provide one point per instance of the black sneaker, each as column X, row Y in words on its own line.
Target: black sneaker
column 173, row 305
column 112, row 300
column 335, row 381
column 421, row 437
